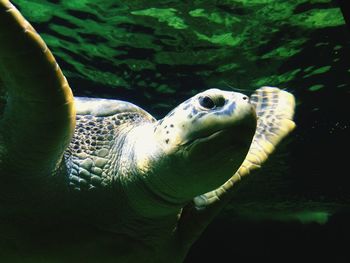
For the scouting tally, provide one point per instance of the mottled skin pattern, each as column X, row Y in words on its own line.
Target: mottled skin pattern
column 91, row 155
column 76, row 172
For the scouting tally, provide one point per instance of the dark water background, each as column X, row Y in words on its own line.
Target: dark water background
column 158, row 53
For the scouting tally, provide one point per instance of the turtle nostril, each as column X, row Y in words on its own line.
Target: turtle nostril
column 245, row 98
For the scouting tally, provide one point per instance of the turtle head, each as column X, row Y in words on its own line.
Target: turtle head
column 194, row 149
column 205, row 139
column 203, row 115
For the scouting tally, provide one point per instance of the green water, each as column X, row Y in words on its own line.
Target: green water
column 149, row 50
column 157, row 53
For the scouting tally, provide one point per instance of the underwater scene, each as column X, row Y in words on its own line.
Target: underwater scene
column 157, row 54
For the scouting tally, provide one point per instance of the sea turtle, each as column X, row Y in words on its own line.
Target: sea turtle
column 71, row 167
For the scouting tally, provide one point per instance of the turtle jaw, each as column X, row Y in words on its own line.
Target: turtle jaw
column 241, row 130
column 229, row 137
column 203, row 151
column 173, row 178
column 213, row 159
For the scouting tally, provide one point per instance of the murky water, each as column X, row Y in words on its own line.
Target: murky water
column 157, row 53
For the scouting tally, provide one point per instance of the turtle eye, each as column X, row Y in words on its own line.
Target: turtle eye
column 220, row 101
column 206, row 102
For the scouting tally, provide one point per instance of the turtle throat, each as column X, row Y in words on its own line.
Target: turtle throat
column 146, row 188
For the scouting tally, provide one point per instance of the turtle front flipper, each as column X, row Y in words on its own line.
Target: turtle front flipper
column 38, row 118
column 274, row 110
